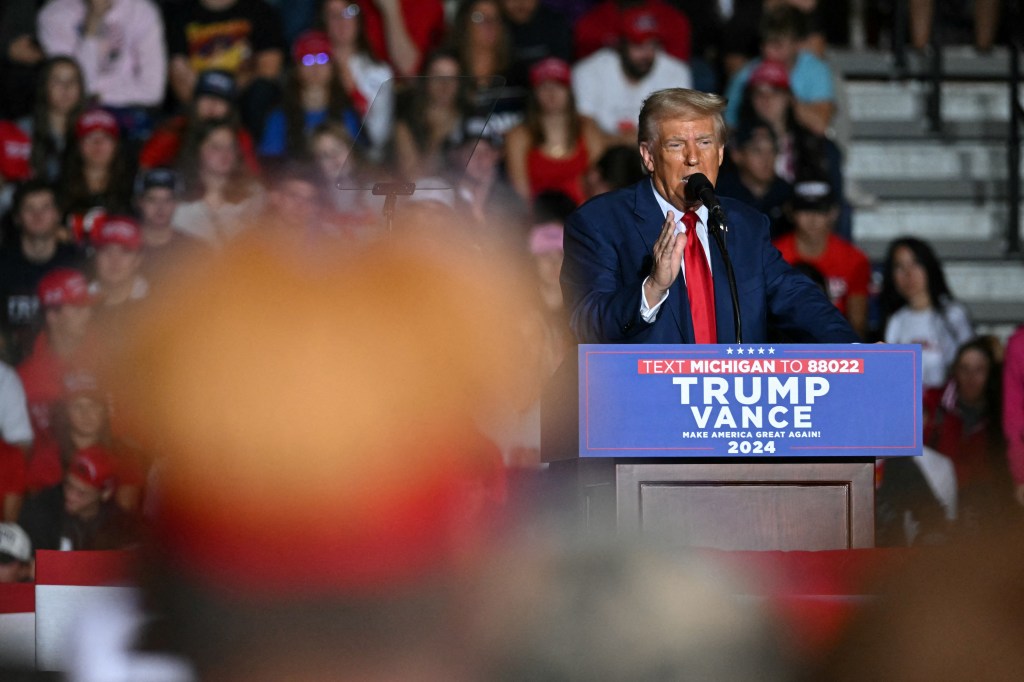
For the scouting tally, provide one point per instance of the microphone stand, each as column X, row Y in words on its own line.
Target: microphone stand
column 717, row 225
column 391, row 191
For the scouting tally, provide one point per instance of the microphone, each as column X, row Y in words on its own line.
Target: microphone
column 699, row 188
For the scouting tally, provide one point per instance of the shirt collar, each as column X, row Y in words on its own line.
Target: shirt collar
column 665, row 206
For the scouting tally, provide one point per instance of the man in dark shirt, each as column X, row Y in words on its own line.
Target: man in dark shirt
column 24, row 262
column 164, row 247
column 536, row 32
column 81, row 513
column 750, row 176
column 241, row 37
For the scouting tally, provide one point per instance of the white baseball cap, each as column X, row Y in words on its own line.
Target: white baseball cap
column 14, row 543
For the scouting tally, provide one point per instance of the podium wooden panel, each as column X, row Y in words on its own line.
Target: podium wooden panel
column 733, row 505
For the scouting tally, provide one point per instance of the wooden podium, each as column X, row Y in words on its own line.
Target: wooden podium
column 817, row 501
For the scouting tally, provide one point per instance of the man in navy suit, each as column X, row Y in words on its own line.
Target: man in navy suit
column 624, row 250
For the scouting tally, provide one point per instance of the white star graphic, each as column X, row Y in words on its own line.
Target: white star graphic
column 750, row 351
column 760, row 351
column 728, row 351
column 739, row 351
column 771, row 351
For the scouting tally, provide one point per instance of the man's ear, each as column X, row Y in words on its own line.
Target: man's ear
column 645, row 154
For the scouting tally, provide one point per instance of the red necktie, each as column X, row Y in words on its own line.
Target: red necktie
column 699, row 287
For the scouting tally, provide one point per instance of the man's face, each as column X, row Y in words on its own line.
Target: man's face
column 38, row 215
column 814, row 224
column 157, row 206
column 116, row 265
column 519, row 11
column 485, row 160
column 296, row 200
column 210, row 107
column 81, row 499
column 680, row 149
column 782, row 49
column 87, row 416
column 69, row 321
column 756, row 157
column 342, row 21
column 98, row 148
column 638, row 58
column 13, row 572
column 217, row 5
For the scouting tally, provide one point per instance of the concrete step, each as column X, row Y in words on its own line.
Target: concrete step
column 904, row 102
column 991, row 291
column 948, row 250
column 958, row 62
column 987, row 281
column 978, row 193
column 927, row 160
column 956, row 230
column 919, row 129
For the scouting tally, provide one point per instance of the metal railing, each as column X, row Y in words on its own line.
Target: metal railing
column 1016, row 44
column 933, row 76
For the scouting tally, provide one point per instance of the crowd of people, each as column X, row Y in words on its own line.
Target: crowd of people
column 143, row 140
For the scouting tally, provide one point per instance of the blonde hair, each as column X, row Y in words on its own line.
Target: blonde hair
column 680, row 103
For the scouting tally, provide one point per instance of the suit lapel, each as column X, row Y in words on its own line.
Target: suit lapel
column 649, row 220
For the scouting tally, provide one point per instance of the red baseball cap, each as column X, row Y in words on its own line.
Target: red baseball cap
column 15, row 147
column 94, row 466
column 64, row 286
column 639, row 25
column 770, row 72
column 550, row 69
column 121, row 230
column 309, row 47
column 97, row 119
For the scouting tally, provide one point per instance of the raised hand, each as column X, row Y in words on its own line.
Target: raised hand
column 668, row 259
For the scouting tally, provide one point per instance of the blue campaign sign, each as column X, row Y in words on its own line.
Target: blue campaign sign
column 750, row 400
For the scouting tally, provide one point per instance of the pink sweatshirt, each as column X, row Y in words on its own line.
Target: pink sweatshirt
column 126, row 63
column 1013, row 403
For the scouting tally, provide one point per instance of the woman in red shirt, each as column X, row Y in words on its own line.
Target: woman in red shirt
column 554, row 147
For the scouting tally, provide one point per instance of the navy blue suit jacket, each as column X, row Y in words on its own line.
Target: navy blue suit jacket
column 608, row 246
